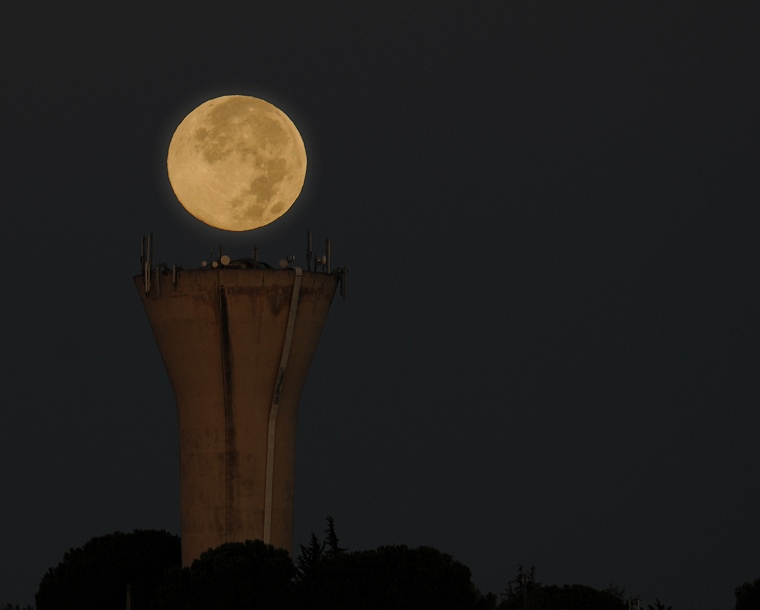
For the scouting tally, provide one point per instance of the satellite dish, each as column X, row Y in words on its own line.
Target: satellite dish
column 225, row 260
column 283, row 263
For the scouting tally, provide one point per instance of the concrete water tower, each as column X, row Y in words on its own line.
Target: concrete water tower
column 237, row 339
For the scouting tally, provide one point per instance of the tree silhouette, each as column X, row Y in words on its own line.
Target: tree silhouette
column 389, row 577
column 331, row 539
column 310, row 557
column 248, row 575
column 748, row 596
column 522, row 590
column 524, row 593
column 96, row 575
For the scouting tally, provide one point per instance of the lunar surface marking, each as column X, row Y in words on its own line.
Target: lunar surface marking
column 237, row 163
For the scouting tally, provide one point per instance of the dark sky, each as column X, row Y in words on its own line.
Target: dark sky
column 549, row 354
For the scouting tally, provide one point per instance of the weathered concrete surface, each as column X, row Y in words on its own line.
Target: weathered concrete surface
column 221, row 334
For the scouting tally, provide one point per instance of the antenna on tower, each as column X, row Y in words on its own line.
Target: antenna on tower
column 327, row 255
column 146, row 258
column 343, row 282
column 309, row 251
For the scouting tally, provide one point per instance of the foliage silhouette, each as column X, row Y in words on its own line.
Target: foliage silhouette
column 309, row 560
column 253, row 575
column 658, row 605
column 748, row 596
column 331, row 538
column 524, row 593
column 246, row 575
column 95, row 576
column 396, row 577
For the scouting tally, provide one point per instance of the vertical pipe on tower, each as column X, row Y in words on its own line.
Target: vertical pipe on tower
column 276, row 404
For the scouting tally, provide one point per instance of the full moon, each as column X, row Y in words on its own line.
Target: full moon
column 236, row 163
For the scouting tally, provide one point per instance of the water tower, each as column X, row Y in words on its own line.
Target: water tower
column 237, row 339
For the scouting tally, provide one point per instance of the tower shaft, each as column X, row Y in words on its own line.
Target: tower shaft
column 237, row 344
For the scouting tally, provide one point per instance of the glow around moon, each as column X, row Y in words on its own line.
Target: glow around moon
column 236, row 163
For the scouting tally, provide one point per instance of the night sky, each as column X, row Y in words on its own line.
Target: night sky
column 549, row 352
